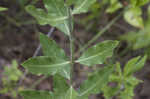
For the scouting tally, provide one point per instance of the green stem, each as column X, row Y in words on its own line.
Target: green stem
column 71, row 58
column 71, row 45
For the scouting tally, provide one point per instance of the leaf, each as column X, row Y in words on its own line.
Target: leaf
column 110, row 91
column 56, row 15
column 142, row 2
column 98, row 53
column 32, row 94
column 129, row 85
column 50, row 48
column 9, row 73
column 3, row 9
column 60, row 87
column 115, row 78
column 95, row 82
column 48, row 65
column 62, row 90
column 54, row 61
column 40, row 15
column 114, row 6
column 133, row 17
column 134, row 65
column 82, row 6
column 71, row 94
column 135, row 3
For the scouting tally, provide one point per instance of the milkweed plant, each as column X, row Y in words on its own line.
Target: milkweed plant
column 55, row 62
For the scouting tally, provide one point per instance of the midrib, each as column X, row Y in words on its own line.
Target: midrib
column 46, row 66
column 84, row 59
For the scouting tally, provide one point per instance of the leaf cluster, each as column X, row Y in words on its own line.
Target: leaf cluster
column 124, row 79
column 55, row 62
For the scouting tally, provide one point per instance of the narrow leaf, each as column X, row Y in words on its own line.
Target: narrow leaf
column 48, row 65
column 134, row 65
column 98, row 53
column 82, row 6
column 95, row 82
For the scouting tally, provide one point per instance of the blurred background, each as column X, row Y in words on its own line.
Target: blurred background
column 19, row 40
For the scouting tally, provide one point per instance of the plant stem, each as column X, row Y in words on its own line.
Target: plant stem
column 71, row 45
column 71, row 58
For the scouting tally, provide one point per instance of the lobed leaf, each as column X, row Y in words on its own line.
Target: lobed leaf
column 98, row 53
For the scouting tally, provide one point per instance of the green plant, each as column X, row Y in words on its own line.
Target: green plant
column 11, row 76
column 124, row 79
column 55, row 62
